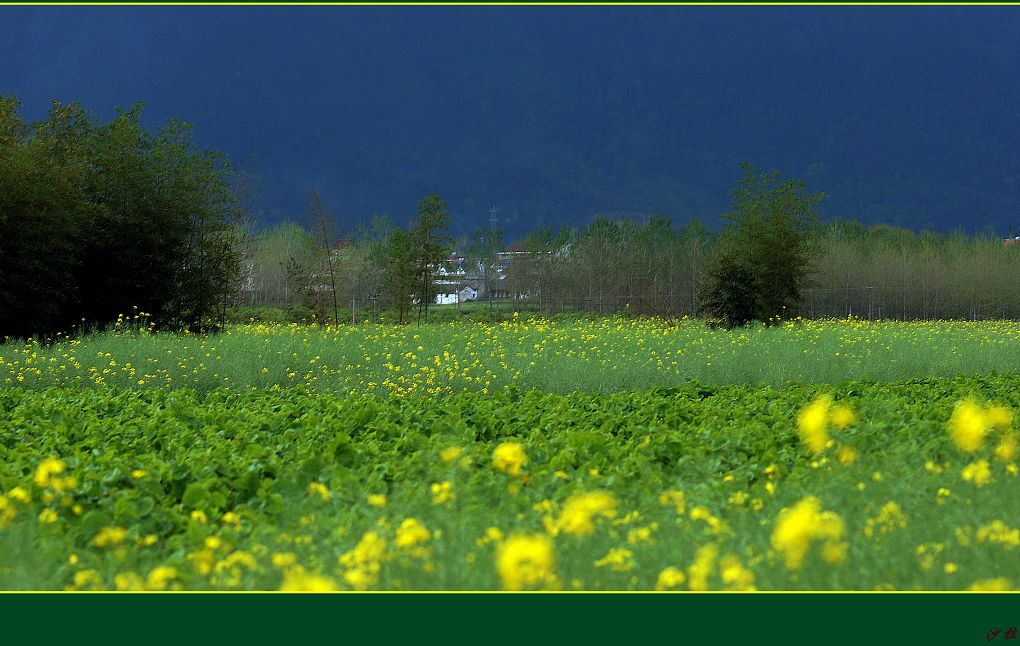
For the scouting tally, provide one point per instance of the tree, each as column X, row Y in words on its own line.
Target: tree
column 373, row 242
column 98, row 218
column 764, row 259
column 401, row 271
column 39, row 202
column 323, row 227
column 242, row 229
column 431, row 247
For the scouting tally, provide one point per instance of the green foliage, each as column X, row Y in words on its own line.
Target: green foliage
column 40, row 207
column 431, row 247
column 471, row 350
column 401, row 272
column 97, row 218
column 234, row 491
column 321, row 286
column 763, row 261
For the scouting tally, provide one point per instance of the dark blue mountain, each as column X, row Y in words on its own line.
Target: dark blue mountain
column 905, row 115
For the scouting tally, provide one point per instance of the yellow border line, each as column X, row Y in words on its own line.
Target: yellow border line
column 526, row 592
column 511, row 4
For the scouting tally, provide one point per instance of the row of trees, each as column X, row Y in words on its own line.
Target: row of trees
column 381, row 265
column 99, row 218
column 774, row 260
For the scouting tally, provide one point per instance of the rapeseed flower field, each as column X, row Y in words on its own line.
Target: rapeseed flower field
column 610, row 454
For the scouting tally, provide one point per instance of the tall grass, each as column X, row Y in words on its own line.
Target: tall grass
column 596, row 355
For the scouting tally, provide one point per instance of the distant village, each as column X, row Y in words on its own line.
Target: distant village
column 460, row 281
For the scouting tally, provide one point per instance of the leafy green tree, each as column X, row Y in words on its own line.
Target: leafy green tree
column 98, row 218
column 39, row 204
column 401, row 272
column 373, row 242
column 431, row 247
column 764, row 258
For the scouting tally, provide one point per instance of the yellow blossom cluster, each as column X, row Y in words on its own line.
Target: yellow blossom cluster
column 799, row 526
column 813, row 425
column 526, row 561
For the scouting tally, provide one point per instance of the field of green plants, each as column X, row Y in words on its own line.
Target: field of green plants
column 608, row 454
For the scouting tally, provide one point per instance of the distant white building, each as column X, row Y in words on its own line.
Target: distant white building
column 460, row 296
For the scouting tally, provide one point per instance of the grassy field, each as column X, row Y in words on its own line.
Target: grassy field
column 610, row 454
column 600, row 355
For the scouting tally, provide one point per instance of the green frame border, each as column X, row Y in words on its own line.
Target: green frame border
column 565, row 618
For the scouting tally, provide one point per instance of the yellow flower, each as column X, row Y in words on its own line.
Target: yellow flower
column 798, row 526
column 968, row 426
column 369, row 550
column 509, row 457
column 109, row 536
column 670, row 578
column 7, row 512
column 702, row 512
column 199, row 516
column 46, row 470
column 128, row 581
column 674, row 498
column 442, row 492
column 833, row 553
column 410, row 534
column 998, row 532
column 450, row 454
column 284, row 559
column 701, row 568
column 812, row 423
column 1000, row 417
column 846, row 454
column 738, row 498
column 842, row 416
column 1006, row 450
column 87, row 580
column 318, row 489
column 377, row 499
column 362, row 578
column 138, row 474
column 735, row 575
column 230, row 518
column 19, row 494
column 492, row 535
column 47, row 516
column 977, row 472
column 297, row 580
column 641, row 534
column 160, row 577
column 524, row 561
column 619, row 559
column 580, row 511
column 64, row 484
column 889, row 519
